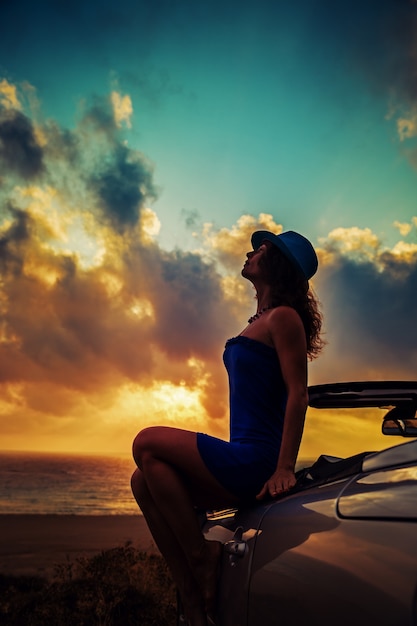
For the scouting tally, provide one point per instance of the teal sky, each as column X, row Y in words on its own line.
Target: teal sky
column 242, row 107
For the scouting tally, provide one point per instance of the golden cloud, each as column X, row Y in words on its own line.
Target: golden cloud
column 228, row 244
column 122, row 109
column 404, row 227
column 103, row 331
column 8, row 95
column 150, row 225
column 407, row 126
column 95, row 315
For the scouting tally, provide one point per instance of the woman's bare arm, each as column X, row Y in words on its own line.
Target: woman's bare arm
column 288, row 337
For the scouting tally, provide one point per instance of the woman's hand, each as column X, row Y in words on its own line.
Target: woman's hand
column 280, row 482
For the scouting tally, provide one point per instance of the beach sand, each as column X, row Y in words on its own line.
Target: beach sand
column 35, row 544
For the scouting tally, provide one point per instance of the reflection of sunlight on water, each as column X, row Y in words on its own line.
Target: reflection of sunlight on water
column 65, row 484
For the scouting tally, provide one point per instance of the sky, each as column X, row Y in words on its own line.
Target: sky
column 141, row 143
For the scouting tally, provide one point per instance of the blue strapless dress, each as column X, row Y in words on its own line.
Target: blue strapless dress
column 257, row 406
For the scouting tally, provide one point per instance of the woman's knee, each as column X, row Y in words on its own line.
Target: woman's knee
column 144, row 443
column 138, row 486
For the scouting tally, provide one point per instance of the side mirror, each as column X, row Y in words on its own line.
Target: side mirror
column 400, row 421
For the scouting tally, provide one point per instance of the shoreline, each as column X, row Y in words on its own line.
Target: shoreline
column 34, row 544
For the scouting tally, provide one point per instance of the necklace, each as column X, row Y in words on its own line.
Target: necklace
column 255, row 317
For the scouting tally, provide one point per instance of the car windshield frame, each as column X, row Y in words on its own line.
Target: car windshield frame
column 381, row 394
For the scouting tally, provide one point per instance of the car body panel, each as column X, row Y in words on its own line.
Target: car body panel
column 349, row 575
column 363, row 394
column 341, row 548
column 402, row 454
column 312, row 567
column 389, row 494
column 237, row 527
column 306, row 565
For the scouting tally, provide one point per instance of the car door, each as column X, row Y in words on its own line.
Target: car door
column 343, row 553
column 237, row 530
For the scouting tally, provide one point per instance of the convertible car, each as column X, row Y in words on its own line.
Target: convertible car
column 341, row 547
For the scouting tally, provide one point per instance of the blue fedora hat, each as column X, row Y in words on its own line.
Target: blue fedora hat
column 294, row 246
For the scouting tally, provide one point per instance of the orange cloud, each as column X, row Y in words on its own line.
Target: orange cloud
column 102, row 331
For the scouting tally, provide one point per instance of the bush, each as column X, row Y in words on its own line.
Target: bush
column 117, row 587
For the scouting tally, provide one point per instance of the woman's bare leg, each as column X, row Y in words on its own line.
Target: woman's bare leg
column 177, row 480
column 171, row 550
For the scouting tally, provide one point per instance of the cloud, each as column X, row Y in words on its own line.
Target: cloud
column 378, row 42
column 394, row 68
column 20, row 152
column 227, row 244
column 118, row 179
column 122, row 109
column 407, row 126
column 8, row 95
column 122, row 187
column 88, row 325
column 89, row 301
column 403, row 227
column 90, row 165
column 352, row 243
column 99, row 322
column 370, row 306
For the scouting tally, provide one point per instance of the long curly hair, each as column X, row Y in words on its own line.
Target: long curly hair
column 290, row 288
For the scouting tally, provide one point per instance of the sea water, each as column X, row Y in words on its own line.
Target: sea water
column 65, row 484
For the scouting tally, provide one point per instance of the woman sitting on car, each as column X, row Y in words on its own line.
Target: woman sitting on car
column 179, row 471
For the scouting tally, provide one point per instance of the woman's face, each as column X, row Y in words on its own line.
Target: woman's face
column 254, row 266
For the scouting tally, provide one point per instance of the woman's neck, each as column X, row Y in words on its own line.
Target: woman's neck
column 264, row 298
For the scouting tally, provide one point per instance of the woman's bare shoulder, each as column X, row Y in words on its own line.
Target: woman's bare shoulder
column 284, row 317
column 286, row 329
column 283, row 312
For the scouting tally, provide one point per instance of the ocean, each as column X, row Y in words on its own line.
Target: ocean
column 65, row 484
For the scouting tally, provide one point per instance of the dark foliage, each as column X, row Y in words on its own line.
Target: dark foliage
column 117, row 587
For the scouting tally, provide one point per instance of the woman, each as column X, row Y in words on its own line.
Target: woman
column 180, row 470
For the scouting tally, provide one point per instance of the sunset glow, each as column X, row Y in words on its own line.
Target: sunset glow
column 129, row 189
